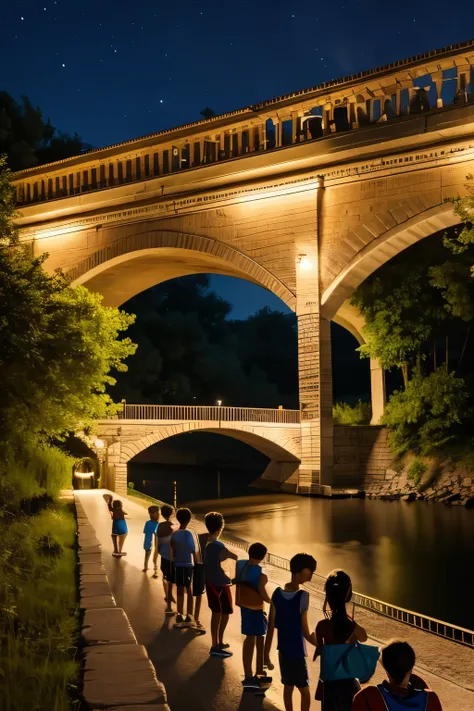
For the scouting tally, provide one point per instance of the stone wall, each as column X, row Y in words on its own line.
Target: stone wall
column 117, row 672
column 444, row 481
column 361, row 453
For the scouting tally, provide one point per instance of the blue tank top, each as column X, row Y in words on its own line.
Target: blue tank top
column 288, row 623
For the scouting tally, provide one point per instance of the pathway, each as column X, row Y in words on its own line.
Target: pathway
column 192, row 678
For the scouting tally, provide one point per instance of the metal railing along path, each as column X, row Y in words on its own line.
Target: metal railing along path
column 212, row 413
column 448, row 631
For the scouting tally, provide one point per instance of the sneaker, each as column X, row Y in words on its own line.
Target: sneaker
column 252, row 683
column 179, row 621
column 189, row 621
column 199, row 627
column 224, row 646
column 264, row 679
column 219, row 652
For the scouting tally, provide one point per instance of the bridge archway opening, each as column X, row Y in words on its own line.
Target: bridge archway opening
column 380, row 250
column 210, row 463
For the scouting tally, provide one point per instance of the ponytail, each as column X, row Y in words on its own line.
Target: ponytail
column 338, row 590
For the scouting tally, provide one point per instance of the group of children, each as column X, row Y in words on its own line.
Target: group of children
column 197, row 564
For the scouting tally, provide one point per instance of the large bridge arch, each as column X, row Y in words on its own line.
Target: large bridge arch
column 134, row 263
column 378, row 251
column 280, row 443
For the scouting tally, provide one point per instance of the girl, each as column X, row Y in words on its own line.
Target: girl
column 119, row 527
column 337, row 628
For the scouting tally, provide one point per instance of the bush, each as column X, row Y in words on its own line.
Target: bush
column 344, row 414
column 29, row 470
column 416, row 470
column 428, row 413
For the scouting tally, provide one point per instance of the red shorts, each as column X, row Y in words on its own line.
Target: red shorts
column 219, row 598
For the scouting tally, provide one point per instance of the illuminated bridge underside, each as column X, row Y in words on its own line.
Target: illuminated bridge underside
column 307, row 195
column 124, row 439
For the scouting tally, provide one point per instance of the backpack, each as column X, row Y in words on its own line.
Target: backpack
column 246, row 595
column 416, row 701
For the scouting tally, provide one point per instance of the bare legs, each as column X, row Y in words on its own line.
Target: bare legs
column 121, row 541
column 147, row 558
column 218, row 625
column 248, row 648
column 114, row 541
column 118, row 542
column 288, row 698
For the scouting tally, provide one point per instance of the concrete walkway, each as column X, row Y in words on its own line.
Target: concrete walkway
column 192, row 678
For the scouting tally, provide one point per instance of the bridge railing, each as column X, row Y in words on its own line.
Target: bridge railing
column 416, row 85
column 209, row 413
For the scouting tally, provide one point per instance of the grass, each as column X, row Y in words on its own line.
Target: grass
column 38, row 610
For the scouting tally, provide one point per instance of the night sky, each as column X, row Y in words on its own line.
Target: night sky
column 115, row 70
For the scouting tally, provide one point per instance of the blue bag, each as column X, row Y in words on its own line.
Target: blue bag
column 348, row 661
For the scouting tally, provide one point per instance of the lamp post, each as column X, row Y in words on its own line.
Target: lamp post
column 219, row 403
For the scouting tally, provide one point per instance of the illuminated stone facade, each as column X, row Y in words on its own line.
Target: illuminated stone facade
column 305, row 195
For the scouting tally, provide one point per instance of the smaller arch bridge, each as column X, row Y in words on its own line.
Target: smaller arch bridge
column 274, row 432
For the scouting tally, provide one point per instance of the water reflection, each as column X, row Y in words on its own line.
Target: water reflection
column 418, row 556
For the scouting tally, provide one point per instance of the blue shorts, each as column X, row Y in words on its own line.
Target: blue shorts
column 148, row 542
column 294, row 671
column 254, row 622
column 119, row 527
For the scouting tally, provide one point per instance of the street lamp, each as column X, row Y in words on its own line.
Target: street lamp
column 219, row 403
column 100, row 445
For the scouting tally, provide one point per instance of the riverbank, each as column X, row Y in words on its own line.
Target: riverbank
column 192, row 678
column 444, row 481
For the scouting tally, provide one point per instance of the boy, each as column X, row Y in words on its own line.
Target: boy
column 163, row 536
column 250, row 595
column 149, row 531
column 402, row 690
column 199, row 580
column 183, row 553
column 219, row 597
column 289, row 614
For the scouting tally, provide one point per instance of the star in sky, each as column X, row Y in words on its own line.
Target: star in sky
column 116, row 53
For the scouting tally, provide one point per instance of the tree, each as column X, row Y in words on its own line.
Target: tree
column 419, row 309
column 208, row 113
column 189, row 351
column 59, row 343
column 27, row 139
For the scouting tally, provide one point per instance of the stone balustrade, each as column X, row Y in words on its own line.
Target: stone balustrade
column 425, row 83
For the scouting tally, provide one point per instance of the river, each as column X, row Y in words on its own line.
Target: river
column 416, row 555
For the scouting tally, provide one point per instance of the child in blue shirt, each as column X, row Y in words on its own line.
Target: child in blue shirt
column 149, row 531
column 289, row 614
column 250, row 596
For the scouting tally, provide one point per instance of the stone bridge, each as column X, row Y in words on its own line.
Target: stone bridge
column 275, row 433
column 305, row 194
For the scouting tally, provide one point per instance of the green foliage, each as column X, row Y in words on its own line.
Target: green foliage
column 426, row 415
column 38, row 611
column 31, row 469
column 58, row 343
column 28, row 139
column 131, row 485
column 344, row 414
column 416, row 470
column 190, row 352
